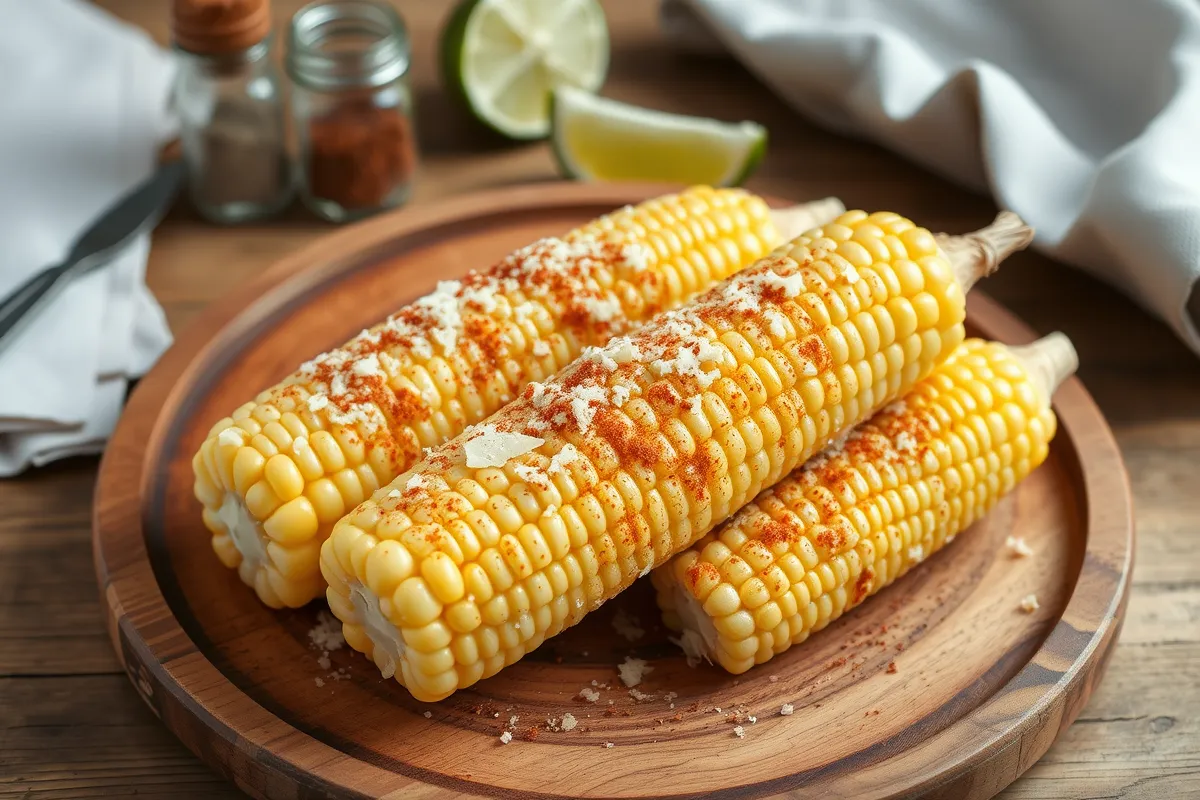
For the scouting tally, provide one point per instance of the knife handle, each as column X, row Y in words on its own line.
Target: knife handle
column 18, row 307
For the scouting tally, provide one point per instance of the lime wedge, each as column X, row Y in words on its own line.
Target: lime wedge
column 504, row 58
column 605, row 140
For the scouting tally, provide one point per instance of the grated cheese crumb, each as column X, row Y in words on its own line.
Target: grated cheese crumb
column 786, row 710
column 905, row 442
column 637, row 256
column 419, row 482
column 791, row 285
column 393, row 494
column 569, row 722
column 776, row 323
column 916, row 552
column 493, row 448
column 753, row 719
column 590, row 695
column 559, row 461
column 773, row 678
column 531, row 475
column 505, row 737
column 541, row 348
column 640, row 696
column 316, row 402
column 620, row 350
column 428, row 715
column 1018, row 546
column 632, row 670
column 608, row 744
column 1029, row 603
column 585, row 402
column 319, row 682
column 327, row 633
column 739, row 731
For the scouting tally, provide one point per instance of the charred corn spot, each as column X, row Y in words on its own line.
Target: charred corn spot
column 859, row 516
column 642, row 447
column 318, row 444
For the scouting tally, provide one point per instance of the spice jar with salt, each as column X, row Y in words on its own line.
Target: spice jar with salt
column 229, row 99
column 348, row 62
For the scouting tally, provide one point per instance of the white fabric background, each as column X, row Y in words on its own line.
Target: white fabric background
column 1083, row 116
column 83, row 110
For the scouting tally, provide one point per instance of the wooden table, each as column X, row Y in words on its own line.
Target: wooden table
column 72, row 726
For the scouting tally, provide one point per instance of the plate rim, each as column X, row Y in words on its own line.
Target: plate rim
column 152, row 661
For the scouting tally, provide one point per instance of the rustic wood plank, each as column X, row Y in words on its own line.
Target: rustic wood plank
column 1137, row 740
column 50, row 621
column 83, row 736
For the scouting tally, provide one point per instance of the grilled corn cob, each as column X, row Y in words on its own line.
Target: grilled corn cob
column 514, row 530
column 276, row 475
column 855, row 518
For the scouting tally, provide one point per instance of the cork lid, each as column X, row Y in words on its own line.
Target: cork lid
column 212, row 27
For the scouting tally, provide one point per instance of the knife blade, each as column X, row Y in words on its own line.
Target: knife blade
column 133, row 213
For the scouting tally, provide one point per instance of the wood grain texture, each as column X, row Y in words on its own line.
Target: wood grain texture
column 987, row 688
column 72, row 725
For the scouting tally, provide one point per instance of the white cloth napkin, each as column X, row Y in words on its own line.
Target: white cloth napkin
column 1080, row 115
column 83, row 110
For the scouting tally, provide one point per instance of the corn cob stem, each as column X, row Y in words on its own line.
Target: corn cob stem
column 856, row 518
column 1049, row 361
column 793, row 221
column 977, row 255
column 514, row 530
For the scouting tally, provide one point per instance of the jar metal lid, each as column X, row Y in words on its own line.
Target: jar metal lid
column 347, row 44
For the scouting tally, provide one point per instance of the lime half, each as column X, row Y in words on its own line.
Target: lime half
column 505, row 57
column 605, row 140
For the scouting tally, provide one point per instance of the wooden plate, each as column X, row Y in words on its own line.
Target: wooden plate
column 978, row 692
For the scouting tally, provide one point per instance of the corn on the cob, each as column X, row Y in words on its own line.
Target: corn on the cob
column 278, row 473
column 854, row 519
column 516, row 529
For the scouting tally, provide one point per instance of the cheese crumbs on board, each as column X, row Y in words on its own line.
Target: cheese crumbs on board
column 786, row 710
column 1018, row 546
column 1029, row 603
column 632, row 670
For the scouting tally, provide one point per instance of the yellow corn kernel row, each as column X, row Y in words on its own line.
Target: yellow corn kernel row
column 853, row 520
column 280, row 471
column 515, row 530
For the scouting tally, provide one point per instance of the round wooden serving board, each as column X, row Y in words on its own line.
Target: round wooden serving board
column 978, row 692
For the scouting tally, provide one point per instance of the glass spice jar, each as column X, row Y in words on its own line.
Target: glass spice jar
column 348, row 62
column 229, row 100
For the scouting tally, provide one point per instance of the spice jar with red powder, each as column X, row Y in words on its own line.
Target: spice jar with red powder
column 348, row 62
